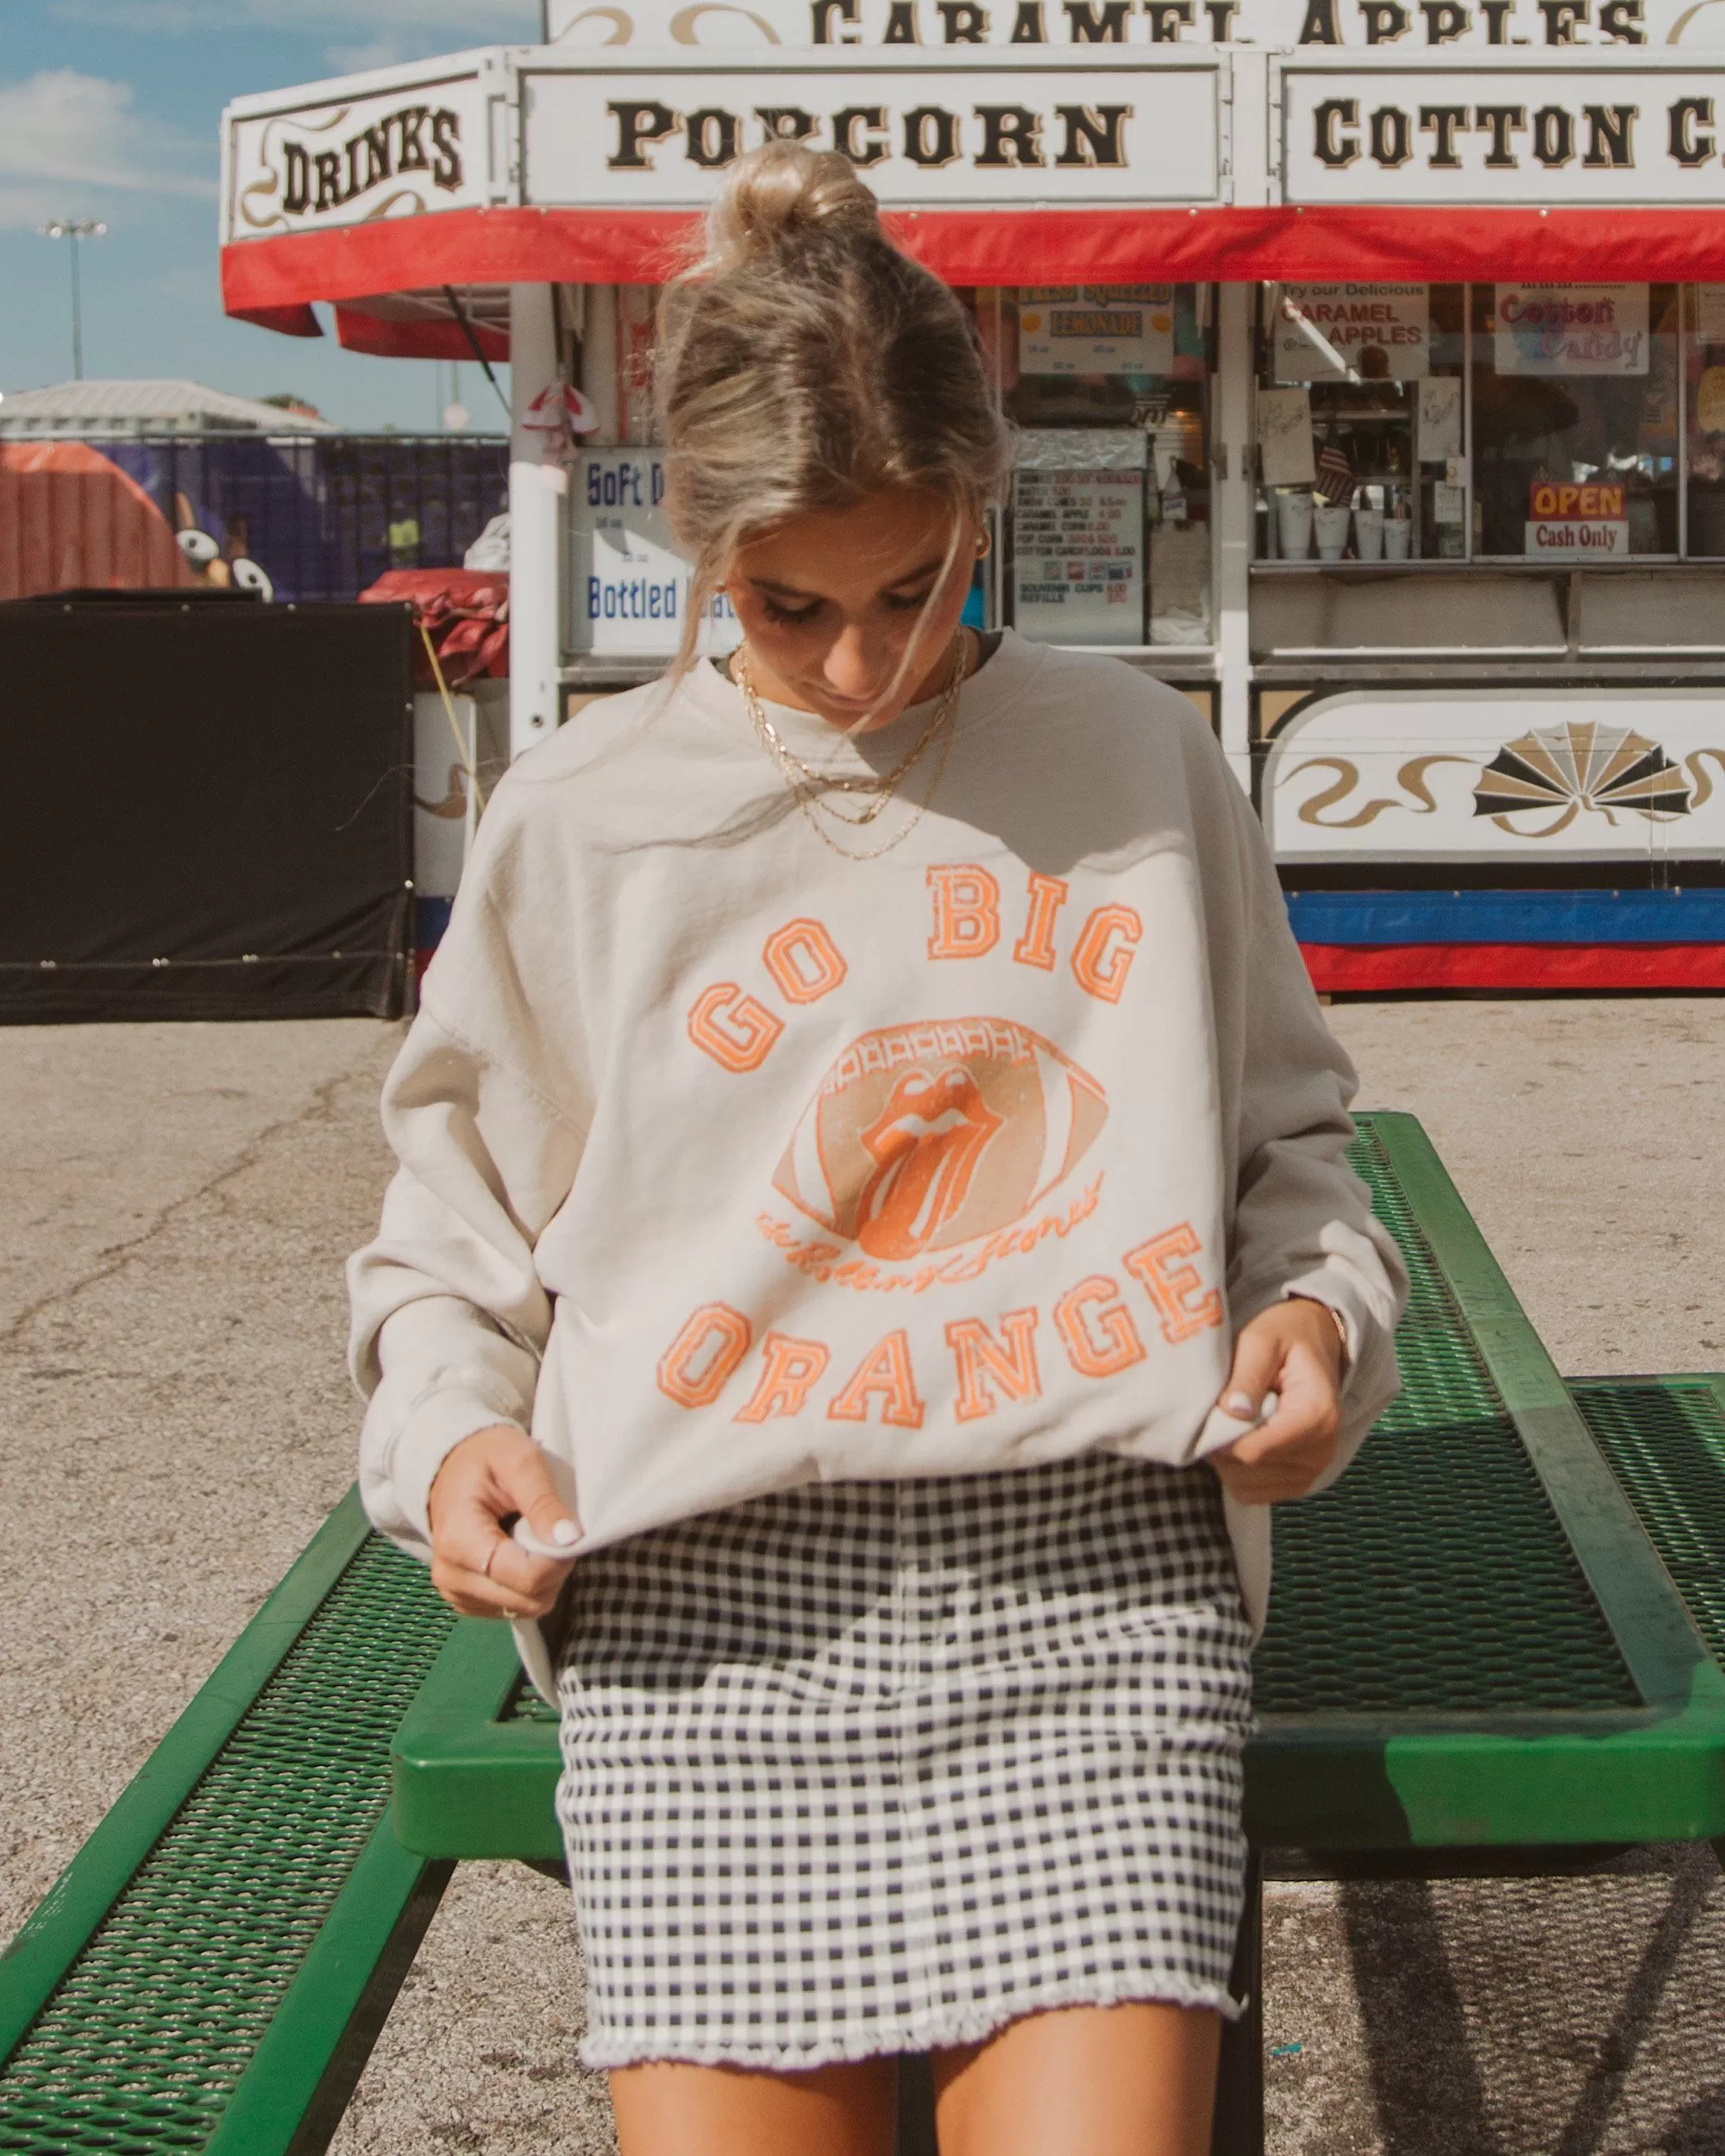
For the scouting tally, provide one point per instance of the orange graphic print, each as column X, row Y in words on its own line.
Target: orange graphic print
column 980, row 1357
column 926, row 1143
column 804, row 961
column 1102, row 956
column 886, row 1371
column 966, row 912
column 1097, row 1328
column 1184, row 1304
column 1036, row 946
column 789, row 1368
column 725, row 1006
column 693, row 1370
column 923, row 1137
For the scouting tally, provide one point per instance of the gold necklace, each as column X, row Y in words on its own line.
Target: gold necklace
column 806, row 785
column 872, row 783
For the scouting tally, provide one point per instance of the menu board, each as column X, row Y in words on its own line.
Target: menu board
column 1383, row 332
column 1570, row 329
column 1078, row 537
column 1096, row 330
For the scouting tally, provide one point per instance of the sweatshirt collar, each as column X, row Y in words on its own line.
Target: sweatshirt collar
column 1000, row 681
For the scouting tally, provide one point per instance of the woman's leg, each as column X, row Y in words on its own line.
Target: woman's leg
column 668, row 2109
column 1134, row 2080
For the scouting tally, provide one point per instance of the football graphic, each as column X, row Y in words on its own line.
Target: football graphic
column 921, row 1137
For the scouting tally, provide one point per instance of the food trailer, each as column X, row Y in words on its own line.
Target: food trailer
column 1367, row 356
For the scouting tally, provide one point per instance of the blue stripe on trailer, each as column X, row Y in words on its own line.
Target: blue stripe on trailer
column 1508, row 917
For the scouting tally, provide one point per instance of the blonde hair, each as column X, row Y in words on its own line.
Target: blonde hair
column 805, row 363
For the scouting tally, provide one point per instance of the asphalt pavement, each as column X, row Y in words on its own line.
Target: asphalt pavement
column 175, row 1420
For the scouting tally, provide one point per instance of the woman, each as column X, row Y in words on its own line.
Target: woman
column 869, row 1153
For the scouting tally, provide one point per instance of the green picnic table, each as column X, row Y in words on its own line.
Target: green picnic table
column 1500, row 1632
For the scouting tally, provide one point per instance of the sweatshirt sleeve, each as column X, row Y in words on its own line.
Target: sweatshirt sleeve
column 1302, row 1219
column 450, row 1318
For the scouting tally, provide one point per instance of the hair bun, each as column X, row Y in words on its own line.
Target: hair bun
column 783, row 193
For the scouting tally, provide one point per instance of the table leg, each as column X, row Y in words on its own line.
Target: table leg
column 916, row 2108
column 1239, row 2126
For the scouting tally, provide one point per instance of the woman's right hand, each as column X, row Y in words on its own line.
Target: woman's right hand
column 493, row 1477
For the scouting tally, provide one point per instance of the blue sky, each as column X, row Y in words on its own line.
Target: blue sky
column 111, row 109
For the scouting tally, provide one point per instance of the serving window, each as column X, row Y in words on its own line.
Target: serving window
column 1106, row 538
column 1546, row 423
column 1575, row 421
column 1361, row 423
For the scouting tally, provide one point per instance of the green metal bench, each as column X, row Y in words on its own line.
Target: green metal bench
column 212, row 1970
column 1476, row 1643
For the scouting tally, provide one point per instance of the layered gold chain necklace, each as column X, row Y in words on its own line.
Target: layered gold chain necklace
column 810, row 787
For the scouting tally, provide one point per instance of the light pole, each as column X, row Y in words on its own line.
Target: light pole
column 74, row 229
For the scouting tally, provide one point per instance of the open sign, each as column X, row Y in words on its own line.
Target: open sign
column 1554, row 498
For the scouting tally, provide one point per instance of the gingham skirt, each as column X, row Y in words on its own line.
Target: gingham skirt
column 872, row 1767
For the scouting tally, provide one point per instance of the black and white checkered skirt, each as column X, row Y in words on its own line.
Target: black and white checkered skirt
column 871, row 1767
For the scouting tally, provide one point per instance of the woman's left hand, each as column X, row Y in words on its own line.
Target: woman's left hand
column 1293, row 1350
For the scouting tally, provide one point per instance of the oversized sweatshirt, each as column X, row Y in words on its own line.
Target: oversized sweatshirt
column 729, row 1164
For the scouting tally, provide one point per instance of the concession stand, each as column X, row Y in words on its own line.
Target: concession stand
column 1367, row 361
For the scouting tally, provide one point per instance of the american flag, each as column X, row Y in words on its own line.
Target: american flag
column 1335, row 473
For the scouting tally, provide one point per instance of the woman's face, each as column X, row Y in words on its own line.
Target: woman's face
column 845, row 612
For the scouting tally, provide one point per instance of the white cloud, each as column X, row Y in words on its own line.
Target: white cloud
column 68, row 139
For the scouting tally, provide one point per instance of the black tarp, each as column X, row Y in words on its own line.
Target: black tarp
column 210, row 809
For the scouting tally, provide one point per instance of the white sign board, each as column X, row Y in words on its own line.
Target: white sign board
column 1078, row 505
column 630, row 586
column 997, row 131
column 1710, row 314
column 1443, row 25
column 1096, row 330
column 1567, row 329
column 1478, row 775
column 1382, row 331
column 1441, row 134
column 1595, row 538
column 392, row 151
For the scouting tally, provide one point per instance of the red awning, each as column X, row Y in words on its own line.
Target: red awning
column 266, row 279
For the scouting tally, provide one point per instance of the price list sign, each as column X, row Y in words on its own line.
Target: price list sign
column 1079, row 557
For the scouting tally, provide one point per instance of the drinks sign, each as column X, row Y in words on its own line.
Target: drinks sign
column 356, row 158
column 630, row 591
column 1571, row 330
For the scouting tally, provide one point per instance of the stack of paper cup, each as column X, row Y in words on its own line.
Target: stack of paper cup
column 1332, row 520
column 1368, row 534
column 1294, row 524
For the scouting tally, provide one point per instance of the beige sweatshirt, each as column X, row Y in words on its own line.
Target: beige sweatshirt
column 728, row 1163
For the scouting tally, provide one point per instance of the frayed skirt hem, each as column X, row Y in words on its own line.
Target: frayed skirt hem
column 939, row 2031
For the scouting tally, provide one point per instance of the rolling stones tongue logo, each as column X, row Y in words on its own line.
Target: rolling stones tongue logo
column 921, row 1137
